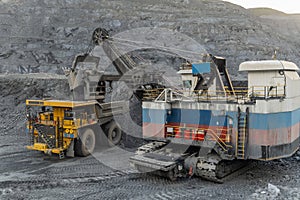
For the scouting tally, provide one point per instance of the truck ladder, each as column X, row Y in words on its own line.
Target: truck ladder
column 42, row 135
column 242, row 133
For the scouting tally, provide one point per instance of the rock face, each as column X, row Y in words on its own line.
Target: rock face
column 15, row 89
column 44, row 36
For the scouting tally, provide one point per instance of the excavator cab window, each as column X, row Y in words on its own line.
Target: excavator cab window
column 187, row 83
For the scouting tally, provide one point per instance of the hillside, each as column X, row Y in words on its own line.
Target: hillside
column 287, row 25
column 266, row 12
column 44, row 36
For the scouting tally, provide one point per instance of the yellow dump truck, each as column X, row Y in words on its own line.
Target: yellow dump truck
column 71, row 127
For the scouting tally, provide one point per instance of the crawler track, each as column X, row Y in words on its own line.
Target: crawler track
column 216, row 170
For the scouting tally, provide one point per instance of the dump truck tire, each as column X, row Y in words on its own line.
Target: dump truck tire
column 114, row 133
column 85, row 144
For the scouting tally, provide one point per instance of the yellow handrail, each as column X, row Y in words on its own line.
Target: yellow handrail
column 244, row 137
column 217, row 138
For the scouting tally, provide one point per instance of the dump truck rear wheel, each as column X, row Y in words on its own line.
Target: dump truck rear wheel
column 85, row 144
column 114, row 133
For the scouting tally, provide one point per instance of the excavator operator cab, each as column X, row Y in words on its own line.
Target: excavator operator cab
column 190, row 75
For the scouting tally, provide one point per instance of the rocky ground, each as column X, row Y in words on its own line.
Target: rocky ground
column 43, row 36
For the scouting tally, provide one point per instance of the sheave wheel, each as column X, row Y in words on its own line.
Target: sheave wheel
column 114, row 133
column 99, row 35
column 85, row 144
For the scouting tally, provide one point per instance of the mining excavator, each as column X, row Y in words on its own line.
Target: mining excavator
column 211, row 128
column 71, row 127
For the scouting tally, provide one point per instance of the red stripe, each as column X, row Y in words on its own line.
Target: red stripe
column 153, row 130
column 274, row 136
column 158, row 130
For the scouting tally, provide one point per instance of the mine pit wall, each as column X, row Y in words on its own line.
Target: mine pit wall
column 16, row 88
column 274, row 125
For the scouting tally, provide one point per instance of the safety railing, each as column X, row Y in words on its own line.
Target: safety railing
column 170, row 95
column 219, row 141
column 152, row 93
column 267, row 92
column 218, row 95
column 242, row 94
column 84, row 119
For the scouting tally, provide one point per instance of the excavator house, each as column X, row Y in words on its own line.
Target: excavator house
column 210, row 128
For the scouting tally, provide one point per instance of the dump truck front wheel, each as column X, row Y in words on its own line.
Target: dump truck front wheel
column 85, row 144
column 114, row 133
